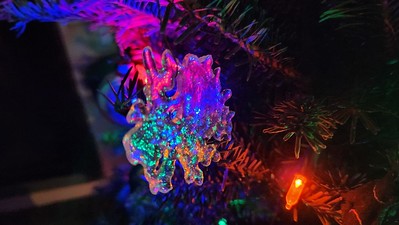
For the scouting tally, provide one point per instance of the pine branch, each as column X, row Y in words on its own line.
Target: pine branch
column 351, row 13
column 339, row 180
column 346, row 112
column 121, row 15
column 302, row 118
column 247, row 27
column 359, row 18
column 221, row 194
column 239, row 159
column 133, row 19
column 344, row 10
column 126, row 93
column 326, row 203
column 205, row 203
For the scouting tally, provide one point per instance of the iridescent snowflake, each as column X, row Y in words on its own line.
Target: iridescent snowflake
column 184, row 108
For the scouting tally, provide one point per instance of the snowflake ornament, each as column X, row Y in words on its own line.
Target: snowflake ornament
column 184, row 107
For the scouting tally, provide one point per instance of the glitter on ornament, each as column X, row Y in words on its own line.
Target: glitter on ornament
column 184, row 107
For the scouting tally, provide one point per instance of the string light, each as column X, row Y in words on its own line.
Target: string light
column 295, row 191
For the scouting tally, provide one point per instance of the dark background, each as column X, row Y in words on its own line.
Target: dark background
column 44, row 130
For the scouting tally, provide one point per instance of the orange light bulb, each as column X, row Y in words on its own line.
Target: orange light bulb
column 298, row 183
column 295, row 191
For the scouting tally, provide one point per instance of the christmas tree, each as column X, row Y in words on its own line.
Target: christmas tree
column 251, row 112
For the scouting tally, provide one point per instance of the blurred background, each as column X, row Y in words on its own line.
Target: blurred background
column 57, row 150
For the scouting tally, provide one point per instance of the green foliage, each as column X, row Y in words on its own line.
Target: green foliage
column 125, row 94
column 245, row 24
column 338, row 179
column 358, row 18
column 351, row 10
column 305, row 119
column 325, row 203
column 241, row 160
